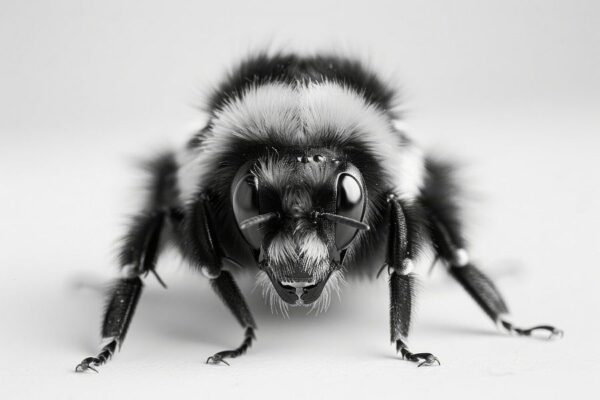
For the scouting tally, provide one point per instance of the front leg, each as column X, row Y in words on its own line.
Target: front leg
column 402, row 283
column 229, row 292
column 401, row 299
column 204, row 250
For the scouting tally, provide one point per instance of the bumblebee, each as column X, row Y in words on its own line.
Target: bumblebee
column 302, row 174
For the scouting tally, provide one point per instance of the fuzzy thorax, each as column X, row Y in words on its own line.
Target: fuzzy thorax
column 304, row 115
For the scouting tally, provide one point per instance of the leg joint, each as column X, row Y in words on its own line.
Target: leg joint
column 460, row 258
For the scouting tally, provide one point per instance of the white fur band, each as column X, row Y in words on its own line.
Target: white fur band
column 299, row 115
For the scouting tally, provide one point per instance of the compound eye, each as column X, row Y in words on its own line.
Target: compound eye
column 350, row 203
column 245, row 205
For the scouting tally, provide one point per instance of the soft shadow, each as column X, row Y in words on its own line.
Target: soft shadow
column 458, row 329
column 181, row 312
column 188, row 311
column 186, row 314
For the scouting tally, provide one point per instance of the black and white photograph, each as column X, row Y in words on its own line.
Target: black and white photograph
column 301, row 200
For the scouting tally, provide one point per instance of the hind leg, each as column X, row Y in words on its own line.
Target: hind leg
column 441, row 208
column 485, row 293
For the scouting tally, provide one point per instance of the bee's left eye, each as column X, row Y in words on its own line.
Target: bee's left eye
column 245, row 205
column 350, row 203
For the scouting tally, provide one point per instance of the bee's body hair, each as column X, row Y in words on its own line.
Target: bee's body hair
column 291, row 139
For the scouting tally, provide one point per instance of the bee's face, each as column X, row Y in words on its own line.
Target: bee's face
column 295, row 247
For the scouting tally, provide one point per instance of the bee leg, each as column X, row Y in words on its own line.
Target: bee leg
column 139, row 251
column 487, row 296
column 122, row 304
column 481, row 288
column 229, row 292
column 402, row 281
column 402, row 298
column 204, row 250
column 138, row 256
column 442, row 210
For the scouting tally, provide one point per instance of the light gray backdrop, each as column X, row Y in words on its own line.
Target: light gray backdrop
column 510, row 88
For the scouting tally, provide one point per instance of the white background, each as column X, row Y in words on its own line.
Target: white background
column 509, row 88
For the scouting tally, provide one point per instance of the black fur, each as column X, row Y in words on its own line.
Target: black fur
column 141, row 244
column 198, row 241
column 162, row 186
column 441, row 198
column 146, row 228
column 292, row 68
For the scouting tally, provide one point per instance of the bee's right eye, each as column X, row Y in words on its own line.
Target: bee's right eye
column 245, row 206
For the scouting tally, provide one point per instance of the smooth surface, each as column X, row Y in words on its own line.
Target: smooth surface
column 510, row 89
